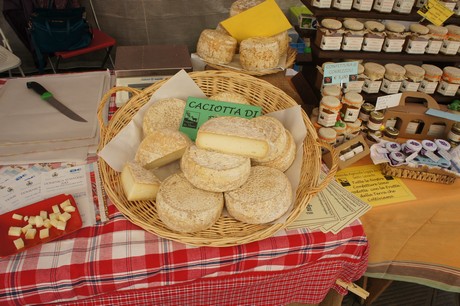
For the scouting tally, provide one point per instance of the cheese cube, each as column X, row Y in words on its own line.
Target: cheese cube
column 30, row 234
column 17, row 217
column 61, row 225
column 18, row 243
column 44, row 214
column 26, row 218
column 32, row 220
column 14, row 231
column 54, row 222
column 25, row 228
column 65, row 204
column 69, row 208
column 44, row 233
column 64, row 217
column 38, row 221
column 47, row 223
column 54, row 216
column 56, row 209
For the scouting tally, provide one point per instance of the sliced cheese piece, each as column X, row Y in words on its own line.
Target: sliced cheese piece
column 31, row 220
column 18, row 243
column 16, row 217
column 69, row 209
column 230, row 96
column 216, row 47
column 266, row 196
column 184, row 208
column 30, row 234
column 276, row 136
column 285, row 159
column 65, row 204
column 259, row 53
column 14, row 231
column 47, row 223
column 163, row 114
column 38, row 221
column 61, row 225
column 214, row 171
column 233, row 135
column 25, row 228
column 44, row 214
column 44, row 233
column 139, row 183
column 161, row 147
column 65, row 216
column 54, row 216
column 56, row 209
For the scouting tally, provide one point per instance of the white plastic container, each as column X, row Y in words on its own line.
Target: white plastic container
column 363, row 5
column 321, row 3
column 383, row 6
column 342, row 4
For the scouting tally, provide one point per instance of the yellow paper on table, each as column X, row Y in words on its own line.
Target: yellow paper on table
column 370, row 185
column 265, row 19
column 435, row 12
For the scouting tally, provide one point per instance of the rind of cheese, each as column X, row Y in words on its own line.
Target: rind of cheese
column 139, row 183
column 163, row 114
column 259, row 53
column 233, row 135
column 285, row 159
column 283, row 40
column 240, row 6
column 216, row 47
column 184, row 208
column 161, row 147
column 214, row 171
column 229, row 96
column 266, row 196
column 276, row 136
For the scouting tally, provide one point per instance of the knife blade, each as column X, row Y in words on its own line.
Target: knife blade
column 48, row 97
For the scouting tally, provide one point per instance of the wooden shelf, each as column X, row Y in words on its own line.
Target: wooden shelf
column 333, row 12
column 399, row 57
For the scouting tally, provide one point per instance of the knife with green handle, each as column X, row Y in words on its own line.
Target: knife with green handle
column 48, row 97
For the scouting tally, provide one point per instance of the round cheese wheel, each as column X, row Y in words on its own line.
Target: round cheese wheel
column 163, row 114
column 266, row 196
column 258, row 53
column 283, row 40
column 214, row 171
column 229, row 96
column 285, row 159
column 276, row 136
column 216, row 47
column 184, row 208
column 240, row 6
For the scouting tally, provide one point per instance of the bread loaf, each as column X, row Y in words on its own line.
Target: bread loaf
column 216, row 47
column 163, row 114
column 139, row 183
column 185, row 208
column 233, row 135
column 161, row 147
column 266, row 196
column 259, row 53
column 214, row 171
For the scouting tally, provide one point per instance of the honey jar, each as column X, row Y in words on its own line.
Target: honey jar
column 391, row 132
column 450, row 81
column 363, row 5
column 451, row 45
column 375, row 121
column 454, row 134
column 322, row 3
column 342, row 4
column 383, row 6
column 403, row 6
column 365, row 111
column 353, row 129
column 327, row 135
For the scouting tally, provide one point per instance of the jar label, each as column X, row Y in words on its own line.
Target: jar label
column 384, row 6
column 363, row 5
column 326, row 119
column 450, row 5
column 331, row 42
column 454, row 137
column 447, row 89
column 403, row 6
column 372, row 44
column 393, row 45
column 342, row 4
column 433, row 46
column 356, row 86
column 436, row 130
column 373, row 126
column 412, row 127
column 363, row 116
column 351, row 114
column 390, row 87
column 409, row 86
column 322, row 3
column 449, row 47
column 350, row 43
column 428, row 87
column 416, row 46
column 390, row 122
column 371, row 86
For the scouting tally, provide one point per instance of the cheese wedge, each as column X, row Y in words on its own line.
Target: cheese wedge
column 163, row 114
column 233, row 135
column 185, row 208
column 139, row 183
column 266, row 196
column 214, row 171
column 276, row 136
column 285, row 159
column 161, row 147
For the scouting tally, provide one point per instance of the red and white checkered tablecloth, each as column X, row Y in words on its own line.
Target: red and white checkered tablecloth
column 119, row 263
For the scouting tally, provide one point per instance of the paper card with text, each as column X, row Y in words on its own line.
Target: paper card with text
column 198, row 111
column 384, row 102
column 435, row 12
column 338, row 73
column 265, row 19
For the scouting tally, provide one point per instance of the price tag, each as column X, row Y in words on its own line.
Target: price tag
column 339, row 73
column 387, row 101
column 435, row 12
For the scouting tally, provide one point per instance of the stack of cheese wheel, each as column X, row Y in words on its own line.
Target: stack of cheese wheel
column 235, row 162
column 216, row 46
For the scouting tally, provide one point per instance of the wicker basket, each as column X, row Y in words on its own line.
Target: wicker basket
column 227, row 231
column 290, row 59
column 423, row 173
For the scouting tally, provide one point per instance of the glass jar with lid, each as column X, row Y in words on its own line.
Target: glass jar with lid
column 321, row 3
column 342, row 4
column 403, row 6
column 413, row 78
column 363, row 5
column 374, row 36
column 436, row 36
column 353, row 35
column 365, row 111
column 329, row 108
column 374, row 74
column 451, row 44
column 328, row 135
column 395, row 38
column 431, row 78
column 340, row 127
column 450, row 81
column 394, row 75
column 351, row 104
column 333, row 90
column 356, row 85
column 417, row 41
column 329, row 34
column 454, row 134
column 353, row 129
column 391, row 132
column 383, row 6
column 375, row 121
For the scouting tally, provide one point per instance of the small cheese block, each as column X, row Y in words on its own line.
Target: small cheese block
column 163, row 114
column 26, row 218
column 214, row 171
column 38, row 221
column 56, row 209
column 276, row 136
column 54, row 216
column 61, row 225
column 14, row 231
column 47, row 223
column 233, row 135
column 32, row 220
column 139, row 183
column 44, row 233
column 65, row 204
column 25, row 228
column 65, row 216
column 44, row 214
column 185, row 208
column 69, row 209
column 285, row 159
column 259, row 53
column 229, row 96
column 161, row 147
column 54, row 222
column 31, row 232
column 16, row 217
column 18, row 243
column 266, row 196
column 216, row 47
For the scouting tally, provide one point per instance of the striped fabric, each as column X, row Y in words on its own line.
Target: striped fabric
column 107, row 262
